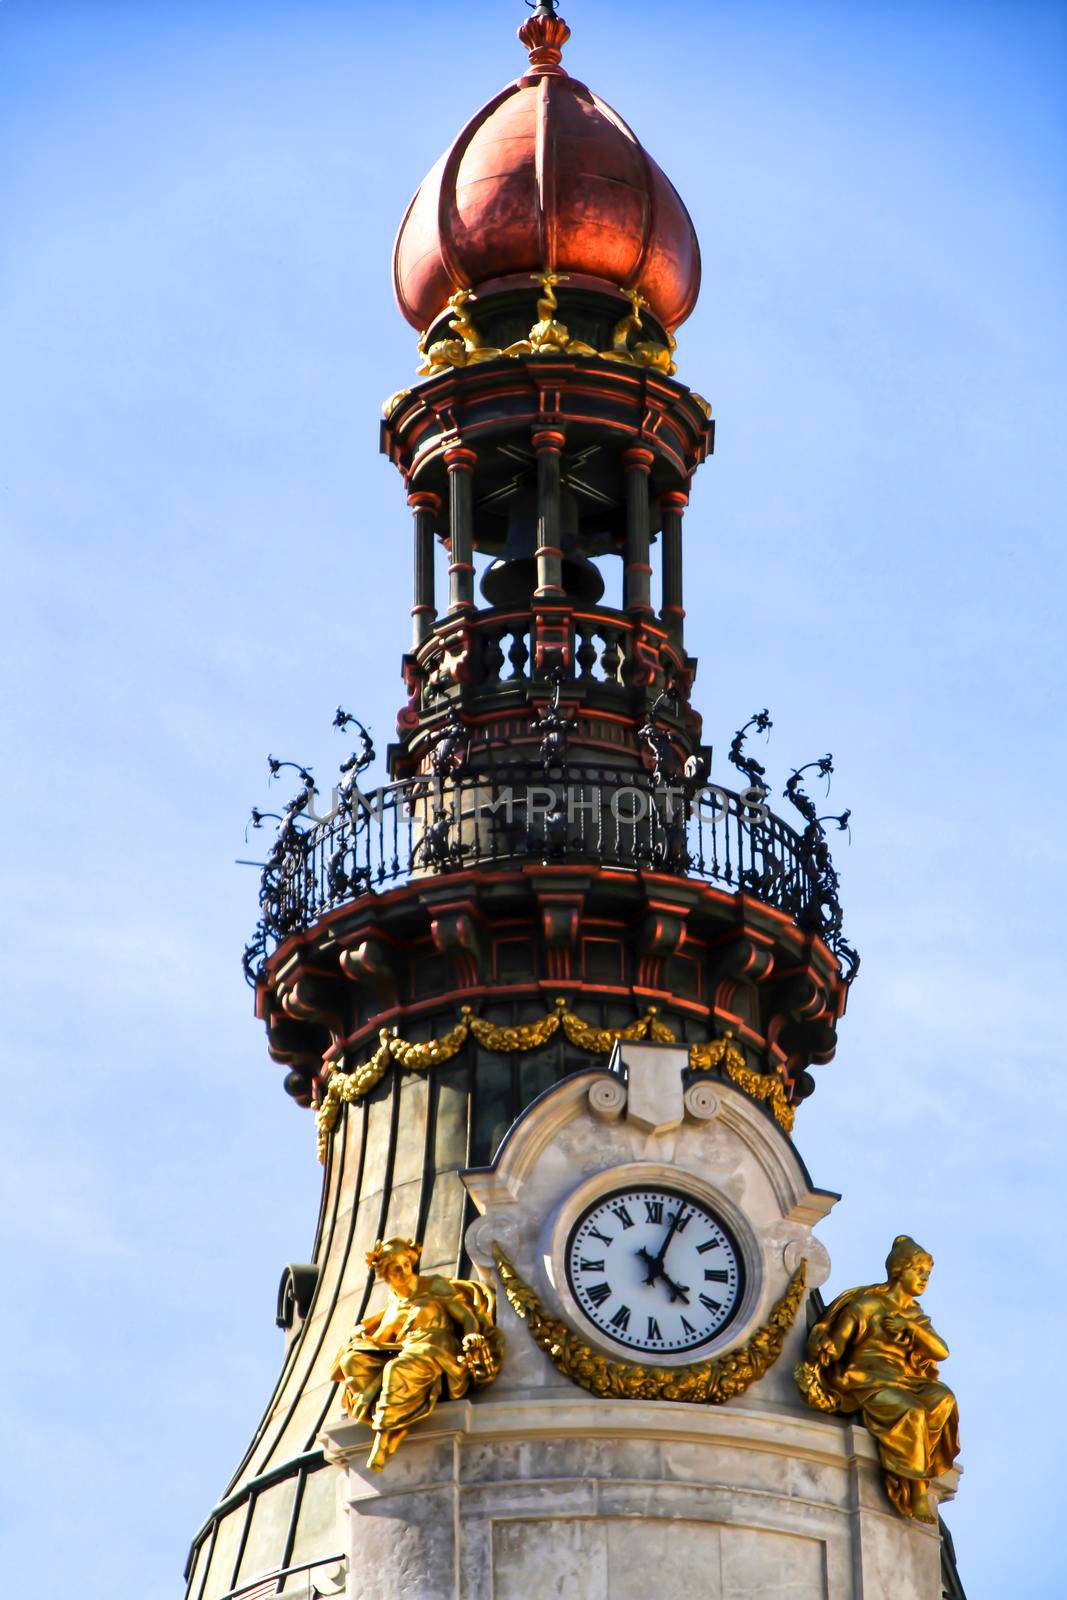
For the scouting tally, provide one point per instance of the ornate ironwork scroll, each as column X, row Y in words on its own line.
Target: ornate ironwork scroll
column 608, row 816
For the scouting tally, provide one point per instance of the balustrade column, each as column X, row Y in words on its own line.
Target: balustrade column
column 425, row 507
column 637, row 575
column 548, row 442
column 672, row 611
column 460, row 463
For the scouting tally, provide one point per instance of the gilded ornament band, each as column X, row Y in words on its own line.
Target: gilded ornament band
column 724, row 1054
column 345, row 1088
column 547, row 336
column 710, row 1382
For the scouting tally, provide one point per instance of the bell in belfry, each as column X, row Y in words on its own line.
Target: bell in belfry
column 511, row 580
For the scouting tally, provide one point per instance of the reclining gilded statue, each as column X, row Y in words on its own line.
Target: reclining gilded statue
column 433, row 1335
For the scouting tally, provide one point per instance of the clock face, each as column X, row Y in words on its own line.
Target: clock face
column 654, row 1269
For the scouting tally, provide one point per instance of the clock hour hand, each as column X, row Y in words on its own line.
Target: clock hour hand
column 654, row 1265
column 678, row 1291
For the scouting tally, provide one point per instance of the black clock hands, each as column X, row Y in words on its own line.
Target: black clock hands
column 654, row 1264
column 635, row 1264
column 677, row 1291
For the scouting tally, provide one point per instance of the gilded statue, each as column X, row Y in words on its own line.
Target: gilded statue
column 548, row 334
column 647, row 352
column 876, row 1352
column 434, row 1335
column 627, row 325
column 466, row 350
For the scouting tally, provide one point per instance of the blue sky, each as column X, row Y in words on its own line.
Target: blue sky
column 204, row 553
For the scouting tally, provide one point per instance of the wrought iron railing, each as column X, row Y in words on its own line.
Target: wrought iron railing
column 607, row 816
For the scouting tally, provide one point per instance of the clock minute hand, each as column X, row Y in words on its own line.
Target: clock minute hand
column 665, row 1246
column 655, row 1263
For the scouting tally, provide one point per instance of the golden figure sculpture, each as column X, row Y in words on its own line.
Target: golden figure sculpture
column 647, row 352
column 464, row 351
column 650, row 353
column 876, row 1352
column 627, row 325
column 548, row 336
column 433, row 1334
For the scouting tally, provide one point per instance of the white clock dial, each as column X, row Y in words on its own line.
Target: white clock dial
column 654, row 1269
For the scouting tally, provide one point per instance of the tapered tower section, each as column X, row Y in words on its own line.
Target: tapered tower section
column 553, row 863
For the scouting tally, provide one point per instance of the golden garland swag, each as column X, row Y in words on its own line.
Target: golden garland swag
column 344, row 1088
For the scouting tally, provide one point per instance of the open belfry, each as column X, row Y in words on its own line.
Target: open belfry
column 553, row 993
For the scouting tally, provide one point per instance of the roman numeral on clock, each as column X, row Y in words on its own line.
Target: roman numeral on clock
column 716, row 1275
column 710, row 1305
column 598, row 1266
column 709, row 1244
column 621, row 1319
column 654, row 1210
column 653, row 1330
column 604, row 1238
column 599, row 1293
column 623, row 1216
column 688, row 1326
column 683, row 1221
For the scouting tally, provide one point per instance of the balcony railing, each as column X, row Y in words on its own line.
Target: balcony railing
column 604, row 649
column 607, row 817
column 268, row 1584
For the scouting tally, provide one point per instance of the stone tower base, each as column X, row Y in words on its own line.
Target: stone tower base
column 566, row 1497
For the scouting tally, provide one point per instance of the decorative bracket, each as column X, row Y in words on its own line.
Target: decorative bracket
column 366, row 959
column 456, row 928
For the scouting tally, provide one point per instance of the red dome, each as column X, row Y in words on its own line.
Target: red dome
column 546, row 177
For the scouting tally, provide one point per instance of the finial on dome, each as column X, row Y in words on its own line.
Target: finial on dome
column 544, row 34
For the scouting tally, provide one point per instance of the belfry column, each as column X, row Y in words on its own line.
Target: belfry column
column 672, row 610
column 460, row 463
column 637, row 576
column 425, row 507
column 548, row 442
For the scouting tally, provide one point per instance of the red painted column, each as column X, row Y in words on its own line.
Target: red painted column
column 672, row 610
column 425, row 506
column 637, row 575
column 548, row 442
column 460, row 463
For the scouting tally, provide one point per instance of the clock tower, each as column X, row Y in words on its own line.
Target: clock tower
column 552, row 987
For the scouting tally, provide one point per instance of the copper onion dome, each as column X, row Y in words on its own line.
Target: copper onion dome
column 546, row 177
